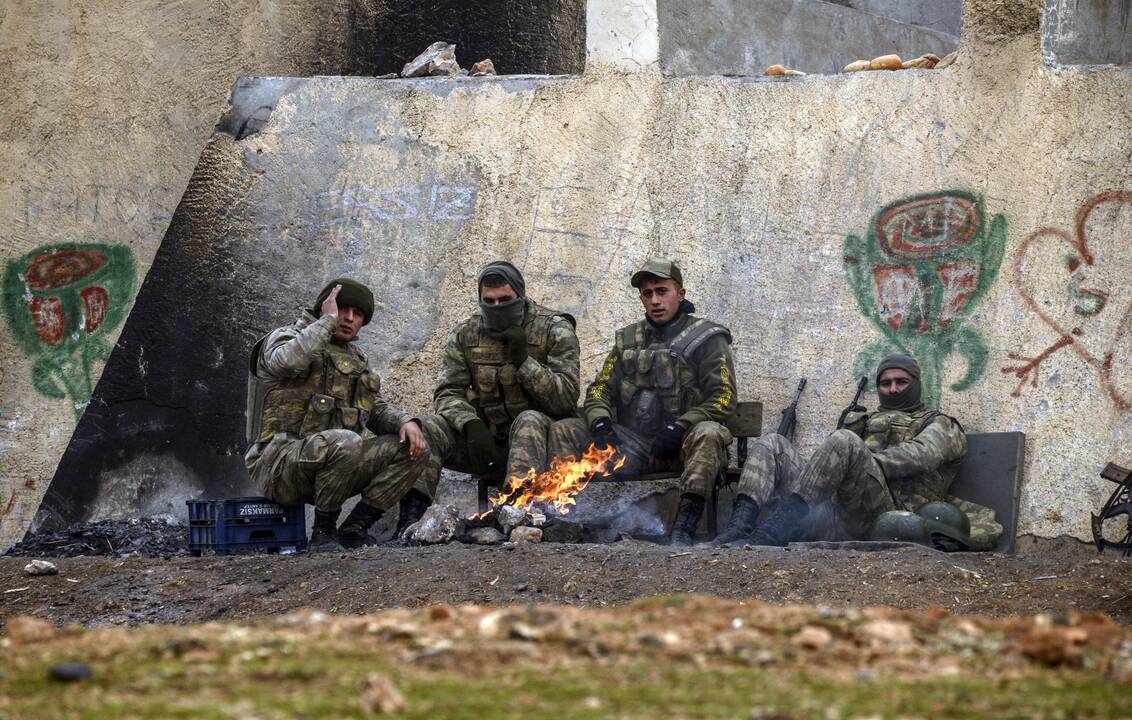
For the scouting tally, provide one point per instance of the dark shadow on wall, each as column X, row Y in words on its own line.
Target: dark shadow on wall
column 538, row 37
column 166, row 418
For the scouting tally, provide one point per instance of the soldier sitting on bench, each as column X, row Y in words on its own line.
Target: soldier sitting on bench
column 662, row 396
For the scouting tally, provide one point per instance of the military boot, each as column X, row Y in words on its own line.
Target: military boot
column 783, row 522
column 324, row 533
column 354, row 533
column 688, row 514
column 744, row 514
column 413, row 507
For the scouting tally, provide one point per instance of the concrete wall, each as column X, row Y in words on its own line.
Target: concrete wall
column 779, row 197
column 946, row 16
column 1088, row 32
column 743, row 37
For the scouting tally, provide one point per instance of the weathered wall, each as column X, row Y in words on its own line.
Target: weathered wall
column 105, row 108
column 743, row 37
column 766, row 190
column 1089, row 32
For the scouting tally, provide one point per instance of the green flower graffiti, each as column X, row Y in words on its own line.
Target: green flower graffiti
column 925, row 264
column 61, row 302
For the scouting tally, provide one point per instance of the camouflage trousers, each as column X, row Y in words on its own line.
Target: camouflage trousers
column 329, row 467
column 524, row 448
column 842, row 483
column 702, row 457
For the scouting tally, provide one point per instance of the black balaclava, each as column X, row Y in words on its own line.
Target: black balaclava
column 353, row 293
column 497, row 318
column 907, row 399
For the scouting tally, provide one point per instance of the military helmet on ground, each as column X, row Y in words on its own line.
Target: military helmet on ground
column 950, row 528
column 901, row 526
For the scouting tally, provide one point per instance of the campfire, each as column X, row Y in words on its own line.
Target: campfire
column 557, row 486
column 519, row 512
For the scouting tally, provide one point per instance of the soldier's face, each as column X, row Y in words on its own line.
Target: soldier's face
column 350, row 321
column 495, row 296
column 893, row 381
column 661, row 299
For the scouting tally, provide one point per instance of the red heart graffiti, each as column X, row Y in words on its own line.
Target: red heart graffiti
column 1091, row 320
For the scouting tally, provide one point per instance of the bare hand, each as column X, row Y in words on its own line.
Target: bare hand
column 330, row 304
column 418, row 446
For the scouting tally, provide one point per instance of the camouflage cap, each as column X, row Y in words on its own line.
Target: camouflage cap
column 660, row 268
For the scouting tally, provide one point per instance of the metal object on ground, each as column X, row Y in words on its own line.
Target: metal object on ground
column 1118, row 504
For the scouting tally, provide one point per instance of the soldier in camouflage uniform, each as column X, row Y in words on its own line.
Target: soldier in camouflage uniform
column 662, row 396
column 510, row 370
column 319, row 428
column 897, row 459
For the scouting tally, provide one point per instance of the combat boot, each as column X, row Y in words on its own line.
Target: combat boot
column 783, row 522
column 413, row 507
column 324, row 534
column 354, row 532
column 744, row 514
column 687, row 518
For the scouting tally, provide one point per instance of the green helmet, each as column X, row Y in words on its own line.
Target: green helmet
column 950, row 528
column 901, row 526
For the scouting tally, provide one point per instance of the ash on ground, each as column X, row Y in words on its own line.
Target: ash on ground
column 115, row 538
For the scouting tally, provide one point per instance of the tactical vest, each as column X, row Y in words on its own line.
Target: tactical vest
column 886, row 428
column 495, row 386
column 658, row 381
column 337, row 392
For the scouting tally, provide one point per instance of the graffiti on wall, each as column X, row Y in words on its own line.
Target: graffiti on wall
column 920, row 270
column 61, row 301
column 1084, row 299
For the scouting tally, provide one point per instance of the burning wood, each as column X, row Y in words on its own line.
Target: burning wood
column 558, row 485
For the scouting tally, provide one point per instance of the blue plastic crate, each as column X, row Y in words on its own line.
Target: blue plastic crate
column 246, row 524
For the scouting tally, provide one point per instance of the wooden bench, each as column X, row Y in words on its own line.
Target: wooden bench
column 746, row 423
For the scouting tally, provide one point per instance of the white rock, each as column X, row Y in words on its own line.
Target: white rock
column 439, row 524
column 510, row 517
column 437, row 59
column 41, row 567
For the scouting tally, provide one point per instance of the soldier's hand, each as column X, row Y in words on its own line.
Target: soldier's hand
column 668, row 441
column 515, row 344
column 603, row 433
column 480, row 446
column 418, row 446
column 330, row 304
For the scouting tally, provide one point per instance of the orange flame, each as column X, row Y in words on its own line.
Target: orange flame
column 558, row 485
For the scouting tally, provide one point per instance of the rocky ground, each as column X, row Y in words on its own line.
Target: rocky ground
column 1051, row 576
column 669, row 656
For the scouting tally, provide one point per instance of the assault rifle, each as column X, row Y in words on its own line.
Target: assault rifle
column 854, row 406
column 790, row 415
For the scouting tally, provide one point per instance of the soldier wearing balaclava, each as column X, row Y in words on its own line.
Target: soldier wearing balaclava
column 898, row 459
column 509, row 371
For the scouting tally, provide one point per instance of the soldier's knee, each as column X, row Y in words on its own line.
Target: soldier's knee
column 708, row 431
column 437, row 432
column 341, row 445
column 566, row 432
column 844, row 439
column 532, row 419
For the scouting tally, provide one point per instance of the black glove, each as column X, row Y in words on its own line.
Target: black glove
column 668, row 441
column 480, row 446
column 603, row 434
column 515, row 344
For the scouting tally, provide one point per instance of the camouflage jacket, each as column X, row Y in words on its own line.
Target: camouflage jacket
column 681, row 371
column 920, row 454
column 287, row 357
column 477, row 380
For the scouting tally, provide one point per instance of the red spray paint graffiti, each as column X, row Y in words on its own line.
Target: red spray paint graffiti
column 1089, row 321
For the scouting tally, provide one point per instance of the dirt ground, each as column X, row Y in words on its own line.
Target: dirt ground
column 1045, row 576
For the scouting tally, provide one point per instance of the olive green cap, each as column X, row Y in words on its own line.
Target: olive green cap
column 353, row 293
column 657, row 267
